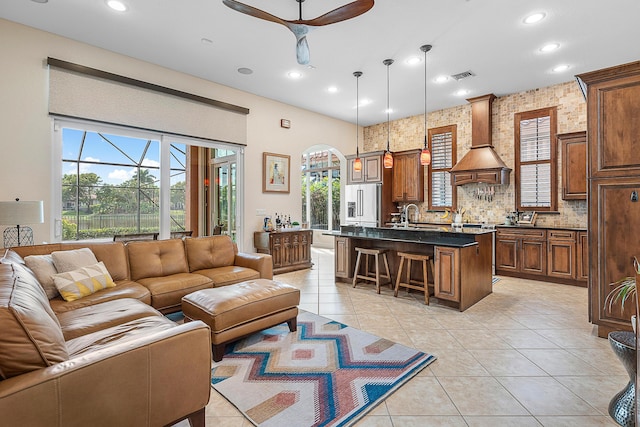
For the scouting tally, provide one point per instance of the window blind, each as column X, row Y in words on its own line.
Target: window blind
column 535, row 162
column 441, row 162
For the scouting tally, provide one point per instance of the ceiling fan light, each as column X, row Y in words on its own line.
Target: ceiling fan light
column 425, row 157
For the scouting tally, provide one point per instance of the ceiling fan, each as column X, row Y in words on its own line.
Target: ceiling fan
column 301, row 27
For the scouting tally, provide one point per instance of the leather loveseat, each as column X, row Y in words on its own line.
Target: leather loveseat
column 111, row 357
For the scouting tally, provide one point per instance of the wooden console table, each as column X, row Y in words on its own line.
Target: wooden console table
column 289, row 249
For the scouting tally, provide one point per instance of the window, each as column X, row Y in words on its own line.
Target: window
column 442, row 143
column 111, row 185
column 321, row 189
column 535, row 160
column 117, row 180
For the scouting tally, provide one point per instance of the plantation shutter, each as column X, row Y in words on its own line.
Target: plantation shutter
column 535, row 162
column 442, row 141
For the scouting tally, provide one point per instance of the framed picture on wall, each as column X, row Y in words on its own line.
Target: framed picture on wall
column 275, row 173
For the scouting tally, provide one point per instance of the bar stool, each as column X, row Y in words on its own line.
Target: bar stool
column 413, row 283
column 372, row 276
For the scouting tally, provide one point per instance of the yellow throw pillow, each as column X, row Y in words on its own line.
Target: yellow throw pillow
column 84, row 281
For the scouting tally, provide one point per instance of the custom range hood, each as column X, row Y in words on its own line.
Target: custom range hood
column 481, row 163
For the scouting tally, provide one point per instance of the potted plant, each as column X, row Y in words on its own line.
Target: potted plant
column 624, row 289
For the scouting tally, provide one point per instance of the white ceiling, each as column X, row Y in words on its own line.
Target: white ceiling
column 487, row 37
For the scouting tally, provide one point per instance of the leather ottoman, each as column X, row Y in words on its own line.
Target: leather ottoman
column 235, row 311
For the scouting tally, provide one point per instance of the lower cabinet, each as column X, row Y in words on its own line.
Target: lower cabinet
column 554, row 255
column 447, row 274
column 289, row 249
column 521, row 251
column 343, row 257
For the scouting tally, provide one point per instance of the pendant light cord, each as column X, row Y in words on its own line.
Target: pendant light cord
column 425, row 48
column 388, row 63
column 357, row 74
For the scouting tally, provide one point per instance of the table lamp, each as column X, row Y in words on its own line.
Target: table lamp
column 17, row 212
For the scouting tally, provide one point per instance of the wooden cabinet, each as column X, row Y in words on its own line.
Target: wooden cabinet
column 574, row 165
column 371, row 169
column 613, row 152
column 552, row 255
column 343, row 257
column 521, row 250
column 582, row 251
column 447, row 275
column 289, row 249
column 408, row 177
column 561, row 257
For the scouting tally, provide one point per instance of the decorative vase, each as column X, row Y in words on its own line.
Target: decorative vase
column 622, row 407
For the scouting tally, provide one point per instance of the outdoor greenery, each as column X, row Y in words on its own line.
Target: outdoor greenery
column 93, row 209
column 319, row 200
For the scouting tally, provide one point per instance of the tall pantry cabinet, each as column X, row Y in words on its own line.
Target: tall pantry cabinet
column 613, row 165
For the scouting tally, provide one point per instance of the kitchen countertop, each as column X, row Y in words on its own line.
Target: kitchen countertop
column 443, row 235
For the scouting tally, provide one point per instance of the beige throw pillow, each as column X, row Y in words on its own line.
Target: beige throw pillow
column 74, row 259
column 84, row 281
column 44, row 269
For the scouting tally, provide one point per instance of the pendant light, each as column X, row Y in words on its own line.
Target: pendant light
column 357, row 163
column 425, row 154
column 387, row 160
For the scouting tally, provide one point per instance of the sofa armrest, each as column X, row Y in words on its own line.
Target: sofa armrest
column 153, row 380
column 262, row 263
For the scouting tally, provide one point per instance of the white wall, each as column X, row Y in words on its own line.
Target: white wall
column 26, row 143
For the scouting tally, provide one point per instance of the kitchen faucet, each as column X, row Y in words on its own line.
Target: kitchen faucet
column 406, row 213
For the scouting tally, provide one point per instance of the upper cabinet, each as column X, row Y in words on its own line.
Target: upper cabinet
column 408, row 177
column 574, row 165
column 371, row 171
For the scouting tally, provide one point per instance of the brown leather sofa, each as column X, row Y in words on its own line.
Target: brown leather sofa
column 112, row 358
column 114, row 363
column 161, row 272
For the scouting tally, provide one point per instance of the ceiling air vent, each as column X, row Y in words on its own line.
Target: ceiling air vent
column 463, row 75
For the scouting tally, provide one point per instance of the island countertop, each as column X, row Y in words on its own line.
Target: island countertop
column 436, row 235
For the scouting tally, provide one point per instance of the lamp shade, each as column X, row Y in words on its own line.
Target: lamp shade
column 19, row 212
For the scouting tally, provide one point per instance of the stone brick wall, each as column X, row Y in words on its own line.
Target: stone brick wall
column 408, row 133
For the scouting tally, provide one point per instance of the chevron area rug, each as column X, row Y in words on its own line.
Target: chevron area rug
column 325, row 374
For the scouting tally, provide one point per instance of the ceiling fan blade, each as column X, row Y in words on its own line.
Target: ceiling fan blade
column 252, row 11
column 348, row 11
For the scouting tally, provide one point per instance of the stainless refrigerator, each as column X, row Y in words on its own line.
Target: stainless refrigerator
column 363, row 203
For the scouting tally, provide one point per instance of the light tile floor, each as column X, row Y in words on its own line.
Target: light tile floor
column 526, row 355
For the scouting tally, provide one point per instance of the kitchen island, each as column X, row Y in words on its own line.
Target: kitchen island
column 462, row 257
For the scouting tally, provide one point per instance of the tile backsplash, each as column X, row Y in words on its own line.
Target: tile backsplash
column 408, row 133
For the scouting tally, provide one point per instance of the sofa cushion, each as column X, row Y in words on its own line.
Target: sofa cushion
column 86, row 320
column 83, row 281
column 113, row 254
column 223, row 276
column 156, row 258
column 167, row 291
column 210, row 252
column 125, row 332
column 73, row 259
column 44, row 269
column 31, row 336
column 123, row 289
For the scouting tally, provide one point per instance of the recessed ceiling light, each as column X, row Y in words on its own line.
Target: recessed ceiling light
column 534, row 17
column 462, row 92
column 388, row 110
column 294, row 74
column 441, row 79
column 364, row 102
column 549, row 47
column 560, row 68
column 117, row 5
column 40, row 1
column 245, row 70
column 414, row 60
column 206, row 40
column 332, row 89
